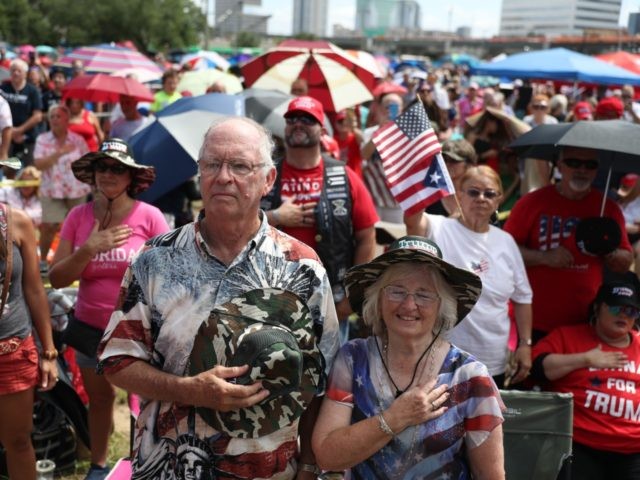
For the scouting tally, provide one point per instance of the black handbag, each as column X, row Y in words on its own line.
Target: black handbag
column 82, row 337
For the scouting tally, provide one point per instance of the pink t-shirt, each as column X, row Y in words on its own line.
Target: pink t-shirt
column 101, row 278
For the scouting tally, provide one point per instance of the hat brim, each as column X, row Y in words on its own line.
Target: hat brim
column 12, row 162
column 142, row 178
column 217, row 342
column 466, row 285
column 291, row 112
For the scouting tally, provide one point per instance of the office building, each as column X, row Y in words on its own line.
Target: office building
column 407, row 15
column 377, row 17
column 373, row 17
column 558, row 17
column 634, row 23
column 231, row 19
column 310, row 16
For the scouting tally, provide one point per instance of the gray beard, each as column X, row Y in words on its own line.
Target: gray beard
column 580, row 185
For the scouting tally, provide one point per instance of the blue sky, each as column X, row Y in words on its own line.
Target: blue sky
column 483, row 16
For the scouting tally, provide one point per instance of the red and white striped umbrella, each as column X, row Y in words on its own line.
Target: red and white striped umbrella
column 203, row 60
column 108, row 58
column 335, row 78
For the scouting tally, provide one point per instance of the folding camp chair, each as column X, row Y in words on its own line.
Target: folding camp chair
column 538, row 428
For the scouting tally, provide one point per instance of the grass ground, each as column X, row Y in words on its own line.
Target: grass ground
column 118, row 444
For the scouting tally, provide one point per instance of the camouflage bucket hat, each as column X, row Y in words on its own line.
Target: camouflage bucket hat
column 271, row 331
column 466, row 285
column 142, row 175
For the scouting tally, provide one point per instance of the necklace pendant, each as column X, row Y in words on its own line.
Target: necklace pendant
column 399, row 392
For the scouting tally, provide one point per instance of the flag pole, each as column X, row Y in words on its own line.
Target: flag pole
column 455, row 195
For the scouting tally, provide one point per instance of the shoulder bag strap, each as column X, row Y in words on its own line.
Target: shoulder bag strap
column 5, row 228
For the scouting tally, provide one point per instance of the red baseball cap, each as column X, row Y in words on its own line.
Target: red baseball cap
column 307, row 105
column 583, row 111
column 610, row 107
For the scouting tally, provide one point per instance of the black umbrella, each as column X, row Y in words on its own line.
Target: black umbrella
column 267, row 107
column 617, row 141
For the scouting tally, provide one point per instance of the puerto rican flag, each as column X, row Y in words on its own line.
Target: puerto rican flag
column 415, row 171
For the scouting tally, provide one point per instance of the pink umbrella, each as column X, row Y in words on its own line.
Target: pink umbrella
column 108, row 58
column 105, row 88
column 388, row 87
column 26, row 49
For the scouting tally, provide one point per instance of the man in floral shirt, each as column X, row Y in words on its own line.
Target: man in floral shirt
column 152, row 342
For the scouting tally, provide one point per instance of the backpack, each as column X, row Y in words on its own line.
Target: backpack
column 53, row 437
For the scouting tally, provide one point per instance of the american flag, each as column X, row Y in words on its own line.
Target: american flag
column 410, row 152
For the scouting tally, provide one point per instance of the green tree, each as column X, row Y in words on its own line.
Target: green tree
column 305, row 36
column 150, row 24
column 246, row 39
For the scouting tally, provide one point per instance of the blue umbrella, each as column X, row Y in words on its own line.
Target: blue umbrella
column 171, row 143
column 558, row 64
column 458, row 59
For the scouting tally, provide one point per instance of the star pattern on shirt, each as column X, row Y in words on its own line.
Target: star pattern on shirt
column 595, row 381
column 359, row 381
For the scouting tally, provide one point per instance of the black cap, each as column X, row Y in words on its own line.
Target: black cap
column 619, row 294
column 598, row 235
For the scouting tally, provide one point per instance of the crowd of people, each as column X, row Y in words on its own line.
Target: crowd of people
column 302, row 322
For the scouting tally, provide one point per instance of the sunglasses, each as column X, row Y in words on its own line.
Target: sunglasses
column 627, row 311
column 578, row 163
column 304, row 119
column 116, row 168
column 488, row 194
column 539, row 106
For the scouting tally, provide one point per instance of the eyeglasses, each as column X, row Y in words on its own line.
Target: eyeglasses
column 539, row 106
column 399, row 294
column 579, row 163
column 627, row 311
column 304, row 119
column 115, row 168
column 237, row 169
column 488, row 194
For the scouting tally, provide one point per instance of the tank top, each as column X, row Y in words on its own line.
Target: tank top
column 86, row 130
column 16, row 318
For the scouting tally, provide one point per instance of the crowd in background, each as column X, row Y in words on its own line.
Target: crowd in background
column 537, row 282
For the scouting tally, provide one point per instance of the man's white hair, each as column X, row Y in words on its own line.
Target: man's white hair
column 265, row 144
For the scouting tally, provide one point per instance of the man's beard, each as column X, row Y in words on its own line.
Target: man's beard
column 580, row 184
column 306, row 142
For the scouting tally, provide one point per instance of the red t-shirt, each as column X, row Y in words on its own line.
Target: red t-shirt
column 543, row 220
column 606, row 402
column 305, row 186
column 86, row 130
column 350, row 152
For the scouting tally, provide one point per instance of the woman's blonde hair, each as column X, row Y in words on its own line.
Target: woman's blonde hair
column 371, row 312
column 33, row 172
column 482, row 171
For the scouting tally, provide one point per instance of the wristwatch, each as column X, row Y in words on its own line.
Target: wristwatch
column 525, row 341
column 309, row 467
